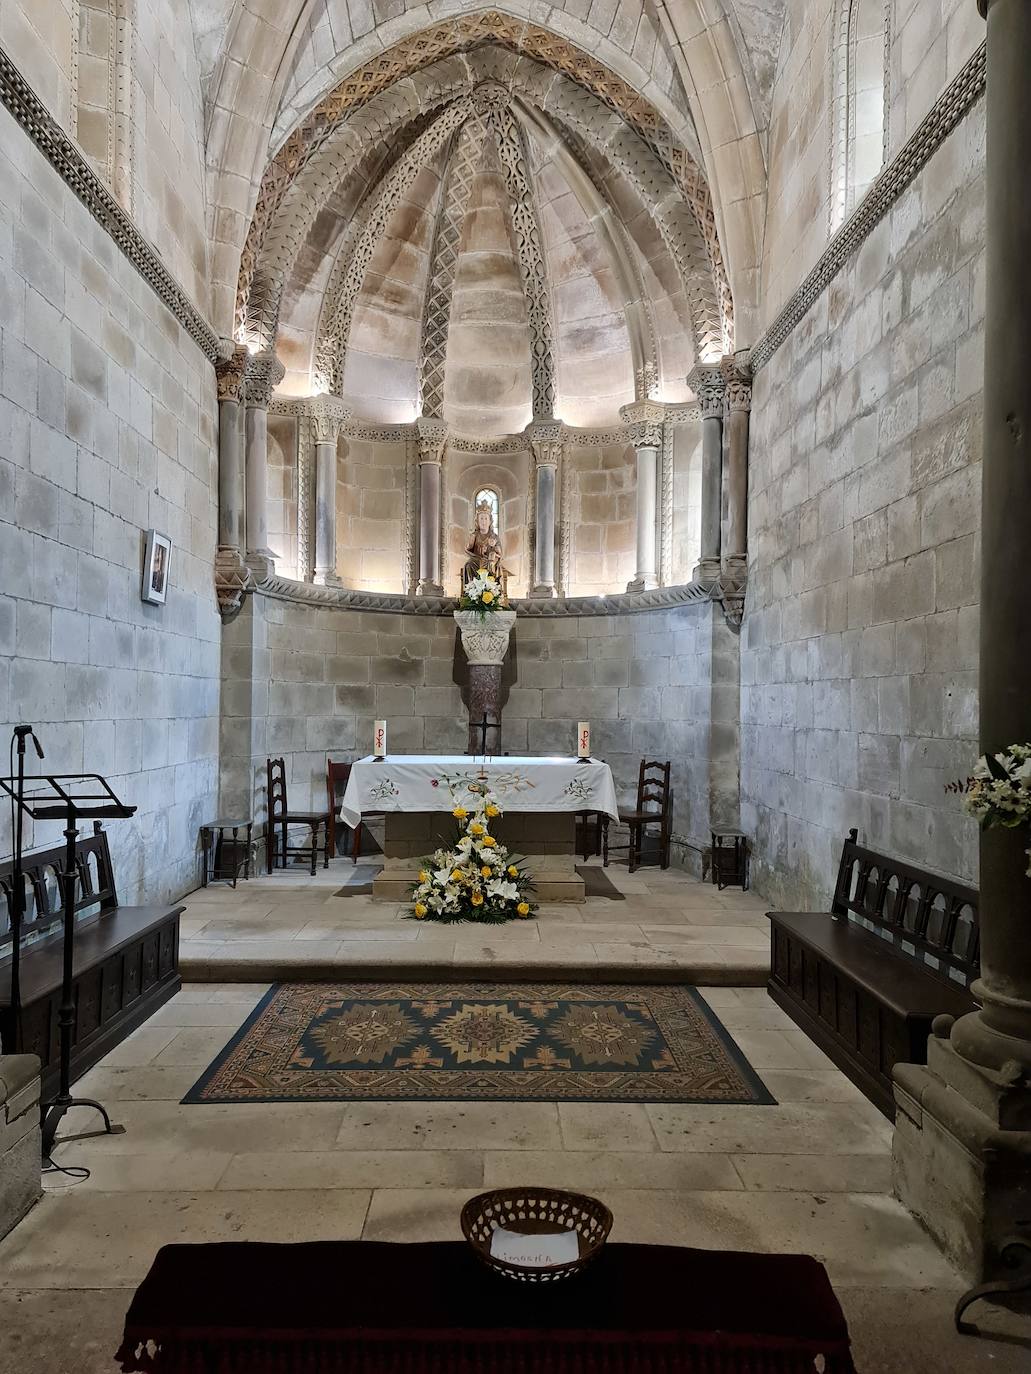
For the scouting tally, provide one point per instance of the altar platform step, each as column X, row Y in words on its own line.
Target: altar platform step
column 653, row 926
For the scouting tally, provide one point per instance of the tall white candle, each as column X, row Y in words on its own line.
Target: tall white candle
column 379, row 738
column 583, row 739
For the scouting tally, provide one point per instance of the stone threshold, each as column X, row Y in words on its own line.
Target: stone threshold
column 284, row 968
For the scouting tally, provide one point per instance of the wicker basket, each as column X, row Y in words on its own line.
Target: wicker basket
column 536, row 1212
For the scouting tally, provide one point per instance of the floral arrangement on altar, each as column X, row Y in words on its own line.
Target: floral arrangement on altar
column 477, row 880
column 998, row 792
column 483, row 594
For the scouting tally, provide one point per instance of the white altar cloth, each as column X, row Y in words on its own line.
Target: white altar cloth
column 431, row 782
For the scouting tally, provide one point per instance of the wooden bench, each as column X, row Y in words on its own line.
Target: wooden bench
column 126, row 961
column 866, row 979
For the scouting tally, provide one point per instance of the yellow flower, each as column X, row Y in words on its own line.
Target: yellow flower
column 485, row 871
column 477, row 899
column 460, row 813
column 487, row 598
column 424, row 877
column 513, row 872
column 523, row 908
column 492, row 810
column 489, row 841
column 420, row 910
column 476, row 828
column 456, row 877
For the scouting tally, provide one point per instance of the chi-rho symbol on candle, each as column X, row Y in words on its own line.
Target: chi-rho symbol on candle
column 583, row 739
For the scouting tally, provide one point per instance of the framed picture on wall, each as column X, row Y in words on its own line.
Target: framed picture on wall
column 157, row 555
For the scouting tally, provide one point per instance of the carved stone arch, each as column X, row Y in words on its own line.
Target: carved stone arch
column 461, row 33
column 349, row 273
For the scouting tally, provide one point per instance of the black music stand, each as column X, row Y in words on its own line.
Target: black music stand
column 68, row 797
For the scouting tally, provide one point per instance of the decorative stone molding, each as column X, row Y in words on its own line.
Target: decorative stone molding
column 737, row 378
column 280, row 588
column 432, row 435
column 643, row 423
column 485, row 641
column 459, row 34
column 264, row 372
column 230, row 373
column 66, row 159
column 546, row 440
column 709, row 385
column 233, row 578
column 949, row 109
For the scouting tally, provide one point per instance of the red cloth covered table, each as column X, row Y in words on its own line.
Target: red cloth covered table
column 367, row 1307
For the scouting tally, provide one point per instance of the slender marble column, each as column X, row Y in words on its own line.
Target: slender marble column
column 432, row 442
column 231, row 573
column 737, row 403
column 709, row 385
column 546, row 444
column 643, row 421
column 264, row 372
column 962, row 1146
column 327, row 430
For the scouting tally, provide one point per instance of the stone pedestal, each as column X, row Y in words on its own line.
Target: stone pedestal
column 19, row 1138
column 547, row 841
column 485, row 642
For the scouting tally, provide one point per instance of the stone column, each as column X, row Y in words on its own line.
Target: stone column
column 232, row 576
column 643, row 421
column 485, row 643
column 326, row 427
column 264, row 372
column 737, row 403
column 546, row 444
column 962, row 1146
column 432, row 442
column 709, row 386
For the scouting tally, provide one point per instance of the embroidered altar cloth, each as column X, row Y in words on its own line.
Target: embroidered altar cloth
column 431, row 782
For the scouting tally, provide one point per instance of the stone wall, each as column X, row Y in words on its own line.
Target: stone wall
column 859, row 662
column 305, row 682
column 107, row 427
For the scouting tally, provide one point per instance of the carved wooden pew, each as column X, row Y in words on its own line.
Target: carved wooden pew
column 866, row 979
column 126, row 958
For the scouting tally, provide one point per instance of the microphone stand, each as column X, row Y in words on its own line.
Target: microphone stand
column 21, row 733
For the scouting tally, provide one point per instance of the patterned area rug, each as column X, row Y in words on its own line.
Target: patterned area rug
column 480, row 1042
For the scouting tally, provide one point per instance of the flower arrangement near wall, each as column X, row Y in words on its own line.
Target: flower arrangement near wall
column 477, row 880
column 483, row 594
column 998, row 792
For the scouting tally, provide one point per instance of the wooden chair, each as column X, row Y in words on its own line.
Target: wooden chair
column 654, row 807
column 280, row 815
column 590, row 832
column 337, row 775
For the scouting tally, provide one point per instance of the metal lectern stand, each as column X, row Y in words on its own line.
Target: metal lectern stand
column 68, row 797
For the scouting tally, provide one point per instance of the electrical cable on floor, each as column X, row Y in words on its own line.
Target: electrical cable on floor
column 79, row 1172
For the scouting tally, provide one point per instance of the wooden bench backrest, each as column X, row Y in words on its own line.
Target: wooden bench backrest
column 929, row 918
column 94, row 888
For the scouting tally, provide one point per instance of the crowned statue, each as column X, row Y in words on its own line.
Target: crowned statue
column 484, row 549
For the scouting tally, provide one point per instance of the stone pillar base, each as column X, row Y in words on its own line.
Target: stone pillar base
column 965, row 1177
column 646, row 582
column 262, row 563
column 427, row 587
column 735, row 566
column 544, row 592
column 322, row 578
column 706, row 570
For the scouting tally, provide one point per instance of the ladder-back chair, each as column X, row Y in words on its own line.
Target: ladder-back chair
column 654, row 808
column 280, row 817
column 337, row 775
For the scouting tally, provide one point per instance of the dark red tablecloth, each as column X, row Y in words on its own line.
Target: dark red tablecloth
column 366, row 1307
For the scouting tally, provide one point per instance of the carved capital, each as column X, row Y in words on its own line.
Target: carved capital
column 643, row 423
column 232, row 579
column 485, row 641
column 709, row 386
column 264, row 372
column 432, row 439
column 230, row 372
column 737, row 377
column 327, row 420
column 546, row 439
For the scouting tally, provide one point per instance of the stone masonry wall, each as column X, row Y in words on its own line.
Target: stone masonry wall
column 859, row 693
column 307, row 682
column 107, row 427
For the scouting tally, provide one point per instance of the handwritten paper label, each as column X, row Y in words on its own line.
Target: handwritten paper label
column 534, row 1252
column 583, row 739
column 379, row 738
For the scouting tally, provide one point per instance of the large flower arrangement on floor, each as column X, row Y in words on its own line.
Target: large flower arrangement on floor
column 477, row 880
column 483, row 594
column 999, row 790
